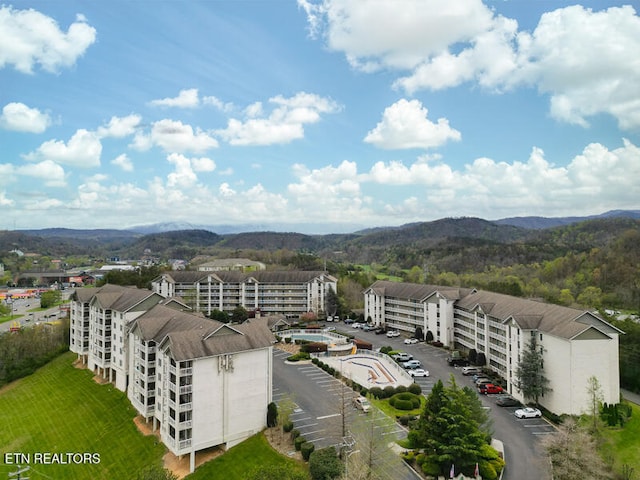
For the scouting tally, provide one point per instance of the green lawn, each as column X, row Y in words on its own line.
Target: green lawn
column 624, row 444
column 60, row 409
column 242, row 460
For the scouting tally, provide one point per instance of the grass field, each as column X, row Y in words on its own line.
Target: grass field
column 623, row 444
column 60, row 409
column 243, row 459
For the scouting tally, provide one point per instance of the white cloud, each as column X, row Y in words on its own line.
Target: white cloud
column 123, row 162
column 183, row 176
column 405, row 125
column 285, row 123
column 203, row 164
column 587, row 62
column 185, row 99
column 174, row 136
column 48, row 171
column 4, row 201
column 120, row 127
column 18, row 117
column 82, row 150
column 29, row 38
column 217, row 103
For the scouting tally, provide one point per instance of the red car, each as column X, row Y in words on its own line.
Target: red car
column 490, row 388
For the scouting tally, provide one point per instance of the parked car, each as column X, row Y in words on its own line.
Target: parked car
column 508, row 401
column 402, row 357
column 393, row 333
column 368, row 328
column 380, row 331
column 419, row 372
column 412, row 364
column 527, row 412
column 410, row 341
column 330, row 328
column 362, row 403
column 349, row 320
column 482, row 381
column 457, row 362
column 489, row 389
column 471, row 370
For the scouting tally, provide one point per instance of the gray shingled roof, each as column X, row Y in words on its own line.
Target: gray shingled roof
column 552, row 319
column 114, row 297
column 416, row 291
column 191, row 336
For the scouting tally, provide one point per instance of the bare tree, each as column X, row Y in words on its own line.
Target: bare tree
column 594, row 390
column 573, row 454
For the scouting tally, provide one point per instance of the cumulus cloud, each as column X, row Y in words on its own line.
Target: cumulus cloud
column 18, row 117
column 123, row 162
column 284, row 124
column 185, row 99
column 217, row 103
column 48, row 171
column 405, row 125
column 29, row 38
column 174, row 136
column 82, row 150
column 586, row 61
column 583, row 59
column 120, row 127
column 184, row 174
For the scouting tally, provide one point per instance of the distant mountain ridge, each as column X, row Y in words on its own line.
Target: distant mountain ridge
column 538, row 223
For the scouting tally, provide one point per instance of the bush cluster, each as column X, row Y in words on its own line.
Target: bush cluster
column 389, row 391
column 299, row 356
column 405, row 401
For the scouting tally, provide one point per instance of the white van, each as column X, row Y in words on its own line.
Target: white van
column 471, row 370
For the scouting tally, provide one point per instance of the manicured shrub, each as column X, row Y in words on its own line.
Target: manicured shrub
column 324, row 464
column 306, row 449
column 415, row 389
column 409, row 457
column 403, row 404
column 389, row 391
column 272, row 415
column 401, row 389
column 295, row 433
column 405, row 419
column 376, row 392
column 298, row 442
column 364, row 391
column 315, row 360
column 386, row 349
column 299, row 356
column 287, row 339
column 287, row 427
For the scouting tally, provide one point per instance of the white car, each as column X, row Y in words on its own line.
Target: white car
column 419, row 372
column 392, row 333
column 362, row 403
column 528, row 412
column 410, row 341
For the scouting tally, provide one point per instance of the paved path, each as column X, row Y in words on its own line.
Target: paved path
column 632, row 397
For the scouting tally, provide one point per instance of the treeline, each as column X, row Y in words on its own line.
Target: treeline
column 23, row 352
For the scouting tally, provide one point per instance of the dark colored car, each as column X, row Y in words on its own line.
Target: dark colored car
column 508, row 401
column 457, row 362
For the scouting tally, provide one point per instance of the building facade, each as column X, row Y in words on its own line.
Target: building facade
column 576, row 344
column 290, row 293
column 201, row 382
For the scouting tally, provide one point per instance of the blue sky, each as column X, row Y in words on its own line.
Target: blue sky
column 316, row 116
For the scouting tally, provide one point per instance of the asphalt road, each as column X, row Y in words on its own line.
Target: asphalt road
column 313, row 393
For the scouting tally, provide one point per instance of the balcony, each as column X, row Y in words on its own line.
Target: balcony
column 184, row 407
column 184, row 444
column 186, row 389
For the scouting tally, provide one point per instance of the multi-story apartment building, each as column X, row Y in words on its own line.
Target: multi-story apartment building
column 99, row 323
column 202, row 382
column 576, row 344
column 291, row 293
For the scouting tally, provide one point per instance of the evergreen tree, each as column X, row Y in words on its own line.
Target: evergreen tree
column 530, row 378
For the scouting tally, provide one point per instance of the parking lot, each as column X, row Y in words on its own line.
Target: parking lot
column 520, row 436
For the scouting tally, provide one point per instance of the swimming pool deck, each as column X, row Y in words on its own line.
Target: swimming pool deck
column 370, row 370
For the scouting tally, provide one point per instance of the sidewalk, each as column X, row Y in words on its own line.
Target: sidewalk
column 632, row 397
